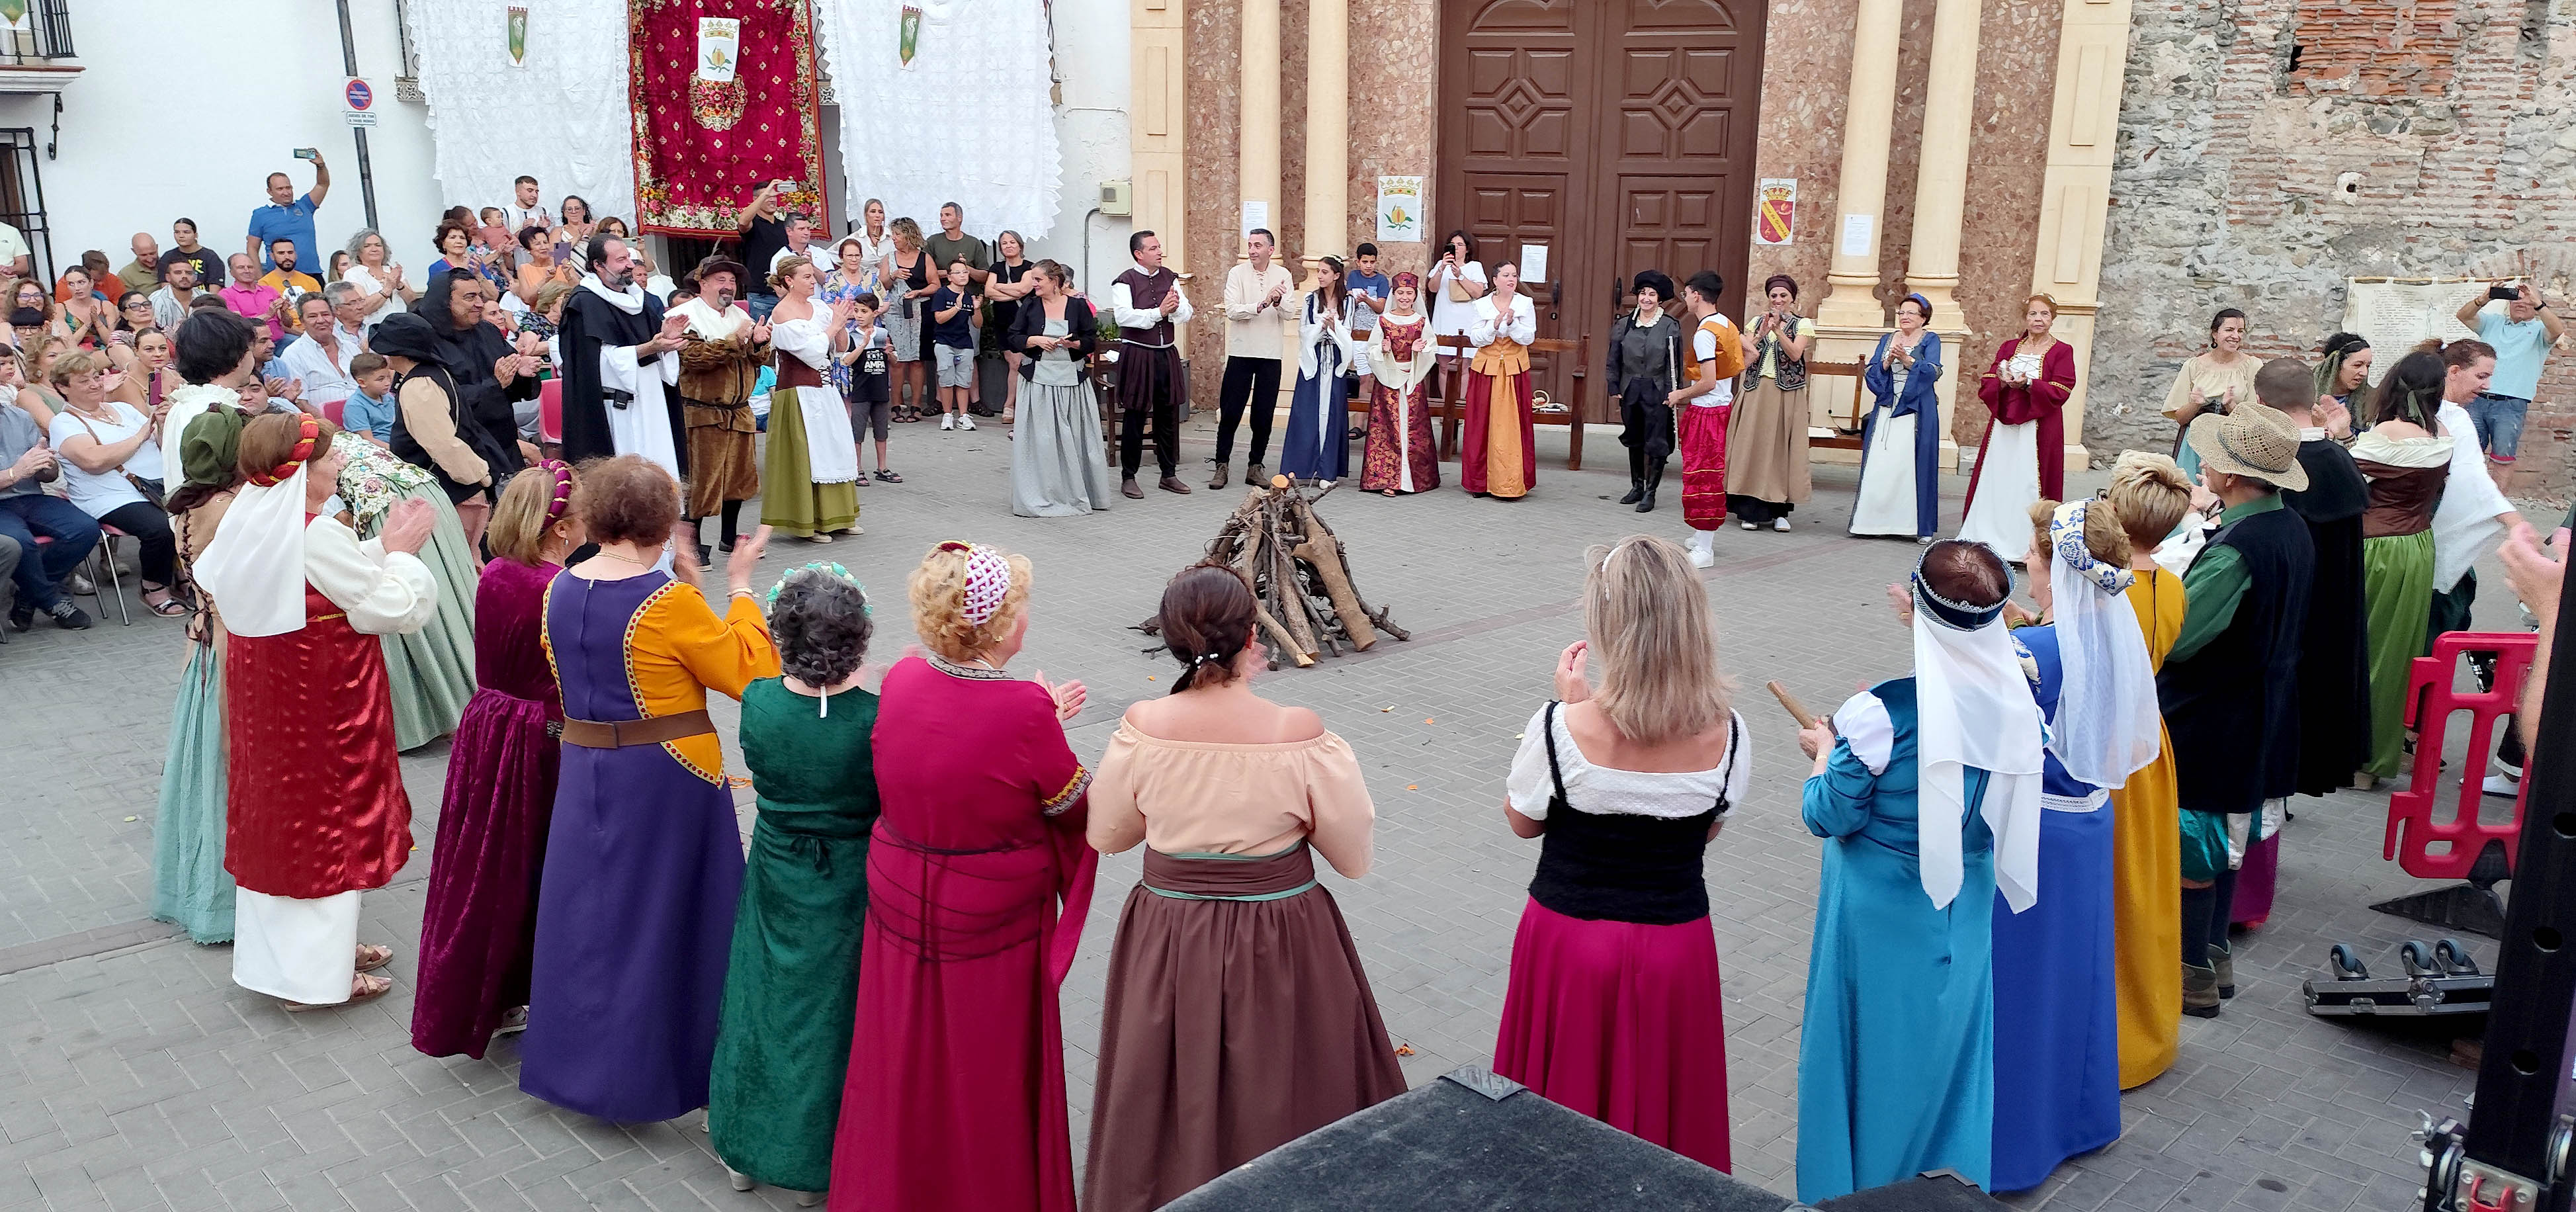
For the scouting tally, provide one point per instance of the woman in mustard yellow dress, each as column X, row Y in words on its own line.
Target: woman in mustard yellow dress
column 2150, row 495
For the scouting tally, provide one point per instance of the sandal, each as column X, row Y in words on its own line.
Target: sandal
column 362, row 988
column 888, row 476
column 372, row 956
column 169, row 607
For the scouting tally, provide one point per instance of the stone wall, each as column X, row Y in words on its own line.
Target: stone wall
column 2412, row 138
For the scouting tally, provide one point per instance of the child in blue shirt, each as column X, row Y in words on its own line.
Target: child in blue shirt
column 952, row 316
column 1370, row 289
column 370, row 413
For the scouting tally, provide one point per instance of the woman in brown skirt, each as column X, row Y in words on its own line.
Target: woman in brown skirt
column 1237, row 1017
column 1766, row 435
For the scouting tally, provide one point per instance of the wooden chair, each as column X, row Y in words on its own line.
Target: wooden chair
column 1846, row 427
column 1570, row 413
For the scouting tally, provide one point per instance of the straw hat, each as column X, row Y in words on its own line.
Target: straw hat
column 2251, row 440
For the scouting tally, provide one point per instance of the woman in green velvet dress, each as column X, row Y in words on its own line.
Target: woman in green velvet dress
column 792, row 985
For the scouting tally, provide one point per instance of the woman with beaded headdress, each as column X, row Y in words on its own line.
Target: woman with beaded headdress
column 1399, row 455
column 643, row 856
column 479, row 925
column 1238, row 1018
column 775, row 1098
column 2057, row 1087
column 1926, row 789
column 978, row 880
column 317, row 810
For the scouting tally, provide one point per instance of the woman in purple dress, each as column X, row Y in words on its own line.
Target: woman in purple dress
column 476, row 931
column 643, row 856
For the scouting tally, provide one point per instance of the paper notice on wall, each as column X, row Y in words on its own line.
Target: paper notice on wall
column 719, row 49
column 2395, row 313
column 1533, row 263
column 1775, row 210
column 1857, row 230
column 1399, row 208
column 1256, row 213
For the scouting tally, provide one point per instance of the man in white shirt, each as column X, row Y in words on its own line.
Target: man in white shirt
column 320, row 358
column 1147, row 304
column 16, row 261
column 524, row 210
column 179, row 287
column 800, row 243
column 1254, row 292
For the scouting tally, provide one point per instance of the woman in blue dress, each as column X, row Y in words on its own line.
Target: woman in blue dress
column 1924, row 819
column 2057, row 1090
column 1318, row 446
column 1900, row 441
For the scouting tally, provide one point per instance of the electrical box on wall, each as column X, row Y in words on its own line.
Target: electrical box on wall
column 1115, row 200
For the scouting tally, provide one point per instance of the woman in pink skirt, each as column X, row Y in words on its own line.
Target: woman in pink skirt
column 1614, row 1008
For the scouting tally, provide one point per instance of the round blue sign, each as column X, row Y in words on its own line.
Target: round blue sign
column 359, row 95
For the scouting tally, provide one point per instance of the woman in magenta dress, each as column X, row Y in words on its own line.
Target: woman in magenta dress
column 643, row 854
column 978, row 880
column 480, row 922
column 1614, row 1007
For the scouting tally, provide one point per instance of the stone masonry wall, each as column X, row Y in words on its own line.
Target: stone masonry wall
column 2269, row 149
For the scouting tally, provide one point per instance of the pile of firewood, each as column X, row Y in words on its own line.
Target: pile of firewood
column 1300, row 576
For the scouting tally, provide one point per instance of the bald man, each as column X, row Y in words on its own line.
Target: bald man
column 143, row 273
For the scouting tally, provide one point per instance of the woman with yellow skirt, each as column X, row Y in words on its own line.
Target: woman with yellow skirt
column 2150, row 496
column 1499, row 458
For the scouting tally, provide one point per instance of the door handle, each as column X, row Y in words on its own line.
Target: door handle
column 1618, row 289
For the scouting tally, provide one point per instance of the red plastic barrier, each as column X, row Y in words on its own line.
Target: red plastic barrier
column 2431, row 698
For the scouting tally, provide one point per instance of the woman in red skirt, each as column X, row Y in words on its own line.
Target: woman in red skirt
column 1613, row 1007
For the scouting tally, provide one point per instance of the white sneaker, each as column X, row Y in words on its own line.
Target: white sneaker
column 1780, row 524
column 947, row 420
column 2502, row 785
column 1701, row 557
column 1748, row 525
column 965, row 422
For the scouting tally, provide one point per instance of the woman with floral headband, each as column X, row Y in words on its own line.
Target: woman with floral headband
column 317, row 810
column 794, row 975
column 479, row 926
column 978, row 881
column 643, row 856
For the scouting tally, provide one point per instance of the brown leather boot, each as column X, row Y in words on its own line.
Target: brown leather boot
column 1173, row 484
column 2199, row 991
column 1217, row 481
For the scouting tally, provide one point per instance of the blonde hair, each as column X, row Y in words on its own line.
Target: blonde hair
column 2104, row 536
column 71, row 365
column 1647, row 617
column 552, row 293
column 785, row 271
column 518, row 527
column 906, row 231
column 938, row 593
column 2150, row 495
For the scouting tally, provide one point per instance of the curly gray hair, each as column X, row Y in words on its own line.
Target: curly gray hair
column 821, row 625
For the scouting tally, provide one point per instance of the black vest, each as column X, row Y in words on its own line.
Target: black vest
column 1146, row 291
column 1620, row 867
column 2232, row 709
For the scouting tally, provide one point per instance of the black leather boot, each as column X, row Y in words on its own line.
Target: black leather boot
column 1636, row 477
column 1654, row 480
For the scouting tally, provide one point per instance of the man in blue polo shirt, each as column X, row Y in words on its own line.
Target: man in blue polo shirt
column 287, row 217
column 2521, row 332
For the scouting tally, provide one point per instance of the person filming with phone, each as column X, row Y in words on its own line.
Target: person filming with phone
column 287, row 217
column 764, row 222
column 2522, row 332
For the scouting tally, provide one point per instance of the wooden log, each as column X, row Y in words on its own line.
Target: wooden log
column 1279, row 635
column 1284, row 595
column 1326, row 556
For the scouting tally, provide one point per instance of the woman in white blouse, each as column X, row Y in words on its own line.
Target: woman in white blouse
column 809, row 481
column 1613, row 1006
column 112, row 467
column 379, row 281
column 1456, row 283
column 1499, row 457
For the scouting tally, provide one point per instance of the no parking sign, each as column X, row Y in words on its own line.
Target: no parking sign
column 358, row 103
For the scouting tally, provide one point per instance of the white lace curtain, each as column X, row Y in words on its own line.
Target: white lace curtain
column 971, row 120
column 563, row 118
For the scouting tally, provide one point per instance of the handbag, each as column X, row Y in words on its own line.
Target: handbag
column 1458, row 291
column 151, row 491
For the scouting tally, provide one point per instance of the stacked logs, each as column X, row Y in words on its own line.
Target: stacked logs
column 1301, row 577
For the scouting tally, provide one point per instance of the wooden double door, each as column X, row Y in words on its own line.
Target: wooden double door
column 1619, row 134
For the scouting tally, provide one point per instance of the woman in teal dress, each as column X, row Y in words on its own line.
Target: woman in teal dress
column 792, row 985
column 432, row 669
column 1896, row 1062
column 190, row 888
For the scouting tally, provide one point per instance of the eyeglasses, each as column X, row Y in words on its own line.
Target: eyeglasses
column 139, row 305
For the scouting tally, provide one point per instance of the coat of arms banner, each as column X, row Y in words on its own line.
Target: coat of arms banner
column 724, row 95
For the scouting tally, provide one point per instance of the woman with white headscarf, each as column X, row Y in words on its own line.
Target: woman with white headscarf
column 316, row 807
column 2057, row 1090
column 1925, row 819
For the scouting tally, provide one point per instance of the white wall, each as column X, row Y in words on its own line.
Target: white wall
column 1091, row 130
column 147, row 138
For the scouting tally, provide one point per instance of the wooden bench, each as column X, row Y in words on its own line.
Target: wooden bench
column 1451, row 413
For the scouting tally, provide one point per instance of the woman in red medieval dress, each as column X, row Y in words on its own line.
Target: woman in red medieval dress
column 1400, row 456
column 1499, row 457
column 978, row 882
column 316, row 809
column 2022, row 459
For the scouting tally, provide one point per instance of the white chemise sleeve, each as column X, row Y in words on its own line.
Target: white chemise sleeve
column 1862, row 721
column 1529, row 788
column 384, row 593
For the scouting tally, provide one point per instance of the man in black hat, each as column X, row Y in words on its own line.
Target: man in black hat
column 613, row 337
column 721, row 354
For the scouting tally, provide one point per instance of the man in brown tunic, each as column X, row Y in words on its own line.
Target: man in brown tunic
column 719, row 369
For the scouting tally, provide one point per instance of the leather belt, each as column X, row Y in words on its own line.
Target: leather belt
column 618, row 734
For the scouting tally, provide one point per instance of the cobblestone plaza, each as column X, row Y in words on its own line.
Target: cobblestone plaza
column 134, row 1075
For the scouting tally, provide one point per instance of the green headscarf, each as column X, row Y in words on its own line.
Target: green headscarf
column 210, row 448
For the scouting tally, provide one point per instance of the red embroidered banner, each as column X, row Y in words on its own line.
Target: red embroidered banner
column 724, row 96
